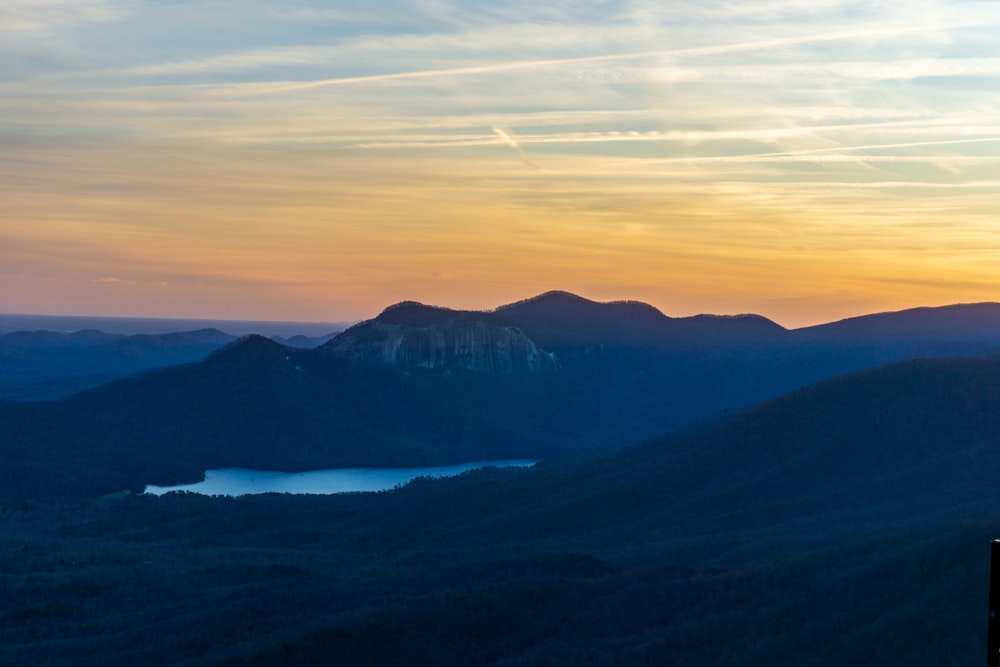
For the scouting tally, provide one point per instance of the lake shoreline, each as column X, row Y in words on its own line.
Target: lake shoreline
column 245, row 481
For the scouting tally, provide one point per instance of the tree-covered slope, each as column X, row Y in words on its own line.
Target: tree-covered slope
column 421, row 385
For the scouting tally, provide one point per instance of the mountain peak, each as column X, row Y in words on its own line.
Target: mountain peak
column 567, row 302
column 560, row 318
column 552, row 297
column 416, row 314
column 251, row 347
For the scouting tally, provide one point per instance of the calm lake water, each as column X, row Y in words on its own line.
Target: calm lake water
column 240, row 481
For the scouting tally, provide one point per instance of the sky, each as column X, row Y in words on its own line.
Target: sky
column 807, row 160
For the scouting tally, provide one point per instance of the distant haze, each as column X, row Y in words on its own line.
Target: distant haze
column 150, row 325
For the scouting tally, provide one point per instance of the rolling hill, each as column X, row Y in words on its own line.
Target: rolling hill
column 847, row 522
column 550, row 377
column 48, row 365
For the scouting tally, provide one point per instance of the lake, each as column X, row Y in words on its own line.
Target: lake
column 241, row 481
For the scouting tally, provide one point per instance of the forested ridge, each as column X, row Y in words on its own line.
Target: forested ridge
column 584, row 377
column 286, row 580
column 845, row 522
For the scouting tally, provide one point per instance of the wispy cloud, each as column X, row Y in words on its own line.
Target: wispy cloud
column 113, row 280
column 353, row 150
column 277, row 87
column 510, row 141
column 38, row 17
column 954, row 126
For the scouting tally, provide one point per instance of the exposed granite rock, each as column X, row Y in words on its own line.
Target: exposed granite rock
column 412, row 335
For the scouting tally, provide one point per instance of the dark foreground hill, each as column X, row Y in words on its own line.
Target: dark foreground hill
column 845, row 523
column 554, row 376
column 907, row 446
column 283, row 580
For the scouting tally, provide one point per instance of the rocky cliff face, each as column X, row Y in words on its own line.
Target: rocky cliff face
column 411, row 335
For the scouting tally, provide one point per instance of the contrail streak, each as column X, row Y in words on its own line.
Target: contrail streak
column 510, row 141
column 251, row 89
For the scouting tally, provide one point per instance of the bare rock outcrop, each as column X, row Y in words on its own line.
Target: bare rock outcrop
column 412, row 335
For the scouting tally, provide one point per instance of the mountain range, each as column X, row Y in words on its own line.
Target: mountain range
column 844, row 519
column 846, row 522
column 550, row 377
column 45, row 365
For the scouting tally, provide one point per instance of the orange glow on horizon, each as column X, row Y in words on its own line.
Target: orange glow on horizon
column 778, row 163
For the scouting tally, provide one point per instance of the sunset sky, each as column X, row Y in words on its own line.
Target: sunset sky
column 807, row 160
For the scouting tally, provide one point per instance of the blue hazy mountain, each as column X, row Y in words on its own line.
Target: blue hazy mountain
column 975, row 322
column 128, row 326
column 552, row 377
column 46, row 365
column 42, row 365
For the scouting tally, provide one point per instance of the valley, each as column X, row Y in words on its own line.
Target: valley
column 452, row 390
column 672, row 518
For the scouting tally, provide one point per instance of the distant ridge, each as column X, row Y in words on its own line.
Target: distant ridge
column 959, row 322
column 552, row 376
column 44, row 338
column 560, row 319
column 153, row 325
column 45, row 365
column 70, row 354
